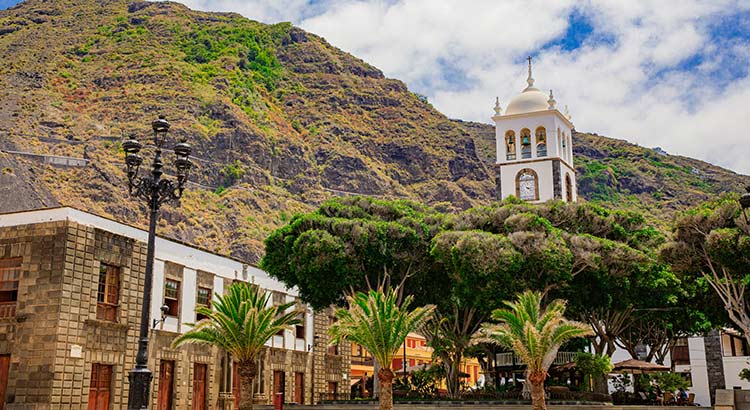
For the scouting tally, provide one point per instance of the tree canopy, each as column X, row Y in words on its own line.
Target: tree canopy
column 604, row 262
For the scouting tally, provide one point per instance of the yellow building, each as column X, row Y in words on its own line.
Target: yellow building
column 417, row 353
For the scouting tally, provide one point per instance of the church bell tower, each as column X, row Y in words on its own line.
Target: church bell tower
column 534, row 150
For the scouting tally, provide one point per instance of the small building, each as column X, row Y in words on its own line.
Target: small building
column 418, row 355
column 71, row 286
column 712, row 362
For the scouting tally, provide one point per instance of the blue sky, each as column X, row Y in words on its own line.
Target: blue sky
column 4, row 4
column 669, row 73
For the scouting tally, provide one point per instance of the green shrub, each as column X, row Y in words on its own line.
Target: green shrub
column 232, row 172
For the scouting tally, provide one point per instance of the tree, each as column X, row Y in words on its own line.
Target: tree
column 593, row 365
column 353, row 243
column 535, row 335
column 479, row 258
column 375, row 321
column 711, row 244
column 240, row 322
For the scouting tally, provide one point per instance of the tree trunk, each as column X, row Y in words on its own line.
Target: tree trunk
column 385, row 399
column 536, row 380
column 247, row 371
column 376, row 379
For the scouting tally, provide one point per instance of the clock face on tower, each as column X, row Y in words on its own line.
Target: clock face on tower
column 527, row 187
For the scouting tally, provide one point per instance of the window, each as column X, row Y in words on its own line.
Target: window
column 510, row 145
column 541, row 142
column 525, row 143
column 527, row 185
column 568, row 188
column 10, row 271
column 202, row 299
column 172, row 297
column 733, row 345
column 299, row 328
column 108, row 293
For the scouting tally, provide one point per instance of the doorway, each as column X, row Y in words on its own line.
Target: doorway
column 166, row 385
column 100, row 388
column 200, row 377
column 299, row 388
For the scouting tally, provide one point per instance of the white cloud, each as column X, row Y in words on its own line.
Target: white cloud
column 461, row 54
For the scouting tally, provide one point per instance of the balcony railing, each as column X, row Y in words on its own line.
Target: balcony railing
column 362, row 361
column 7, row 309
column 511, row 359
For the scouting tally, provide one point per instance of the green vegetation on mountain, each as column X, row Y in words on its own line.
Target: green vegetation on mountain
column 279, row 119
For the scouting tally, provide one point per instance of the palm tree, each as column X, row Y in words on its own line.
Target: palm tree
column 241, row 322
column 375, row 321
column 535, row 335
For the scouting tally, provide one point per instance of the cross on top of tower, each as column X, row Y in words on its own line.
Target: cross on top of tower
column 530, row 80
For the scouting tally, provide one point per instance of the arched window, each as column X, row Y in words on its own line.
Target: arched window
column 568, row 188
column 559, row 142
column 564, row 147
column 525, row 143
column 527, row 185
column 541, row 142
column 510, row 145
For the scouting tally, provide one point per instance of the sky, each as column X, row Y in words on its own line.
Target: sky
column 667, row 73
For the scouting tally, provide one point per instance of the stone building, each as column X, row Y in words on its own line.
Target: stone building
column 70, row 290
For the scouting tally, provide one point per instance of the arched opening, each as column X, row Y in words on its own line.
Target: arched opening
column 510, row 145
column 527, row 185
column 541, row 142
column 564, row 147
column 525, row 143
column 558, row 147
column 568, row 188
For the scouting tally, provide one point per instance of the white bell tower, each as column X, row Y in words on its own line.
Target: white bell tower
column 534, row 150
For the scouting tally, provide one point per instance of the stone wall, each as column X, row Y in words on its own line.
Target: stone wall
column 30, row 338
column 329, row 368
column 714, row 363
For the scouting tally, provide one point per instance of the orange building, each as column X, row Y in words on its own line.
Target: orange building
column 417, row 353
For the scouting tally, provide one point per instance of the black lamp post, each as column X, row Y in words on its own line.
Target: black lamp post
column 154, row 191
column 745, row 202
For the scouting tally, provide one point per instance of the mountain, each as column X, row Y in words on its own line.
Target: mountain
column 279, row 121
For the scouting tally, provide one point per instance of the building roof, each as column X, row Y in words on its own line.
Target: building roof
column 530, row 100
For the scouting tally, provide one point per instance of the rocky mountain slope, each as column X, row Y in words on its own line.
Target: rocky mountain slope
column 279, row 120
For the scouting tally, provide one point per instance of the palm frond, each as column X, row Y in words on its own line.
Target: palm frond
column 240, row 322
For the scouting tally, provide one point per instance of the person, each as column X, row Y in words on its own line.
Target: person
column 682, row 397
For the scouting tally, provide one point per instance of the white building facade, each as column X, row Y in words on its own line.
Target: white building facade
column 534, row 148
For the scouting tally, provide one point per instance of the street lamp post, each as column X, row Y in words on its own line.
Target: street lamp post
column 155, row 191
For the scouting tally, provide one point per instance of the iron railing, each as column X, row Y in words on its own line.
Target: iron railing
column 511, row 359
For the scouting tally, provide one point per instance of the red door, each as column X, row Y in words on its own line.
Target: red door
column 278, row 382
column 299, row 388
column 200, row 374
column 166, row 385
column 4, row 374
column 332, row 388
column 101, row 385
